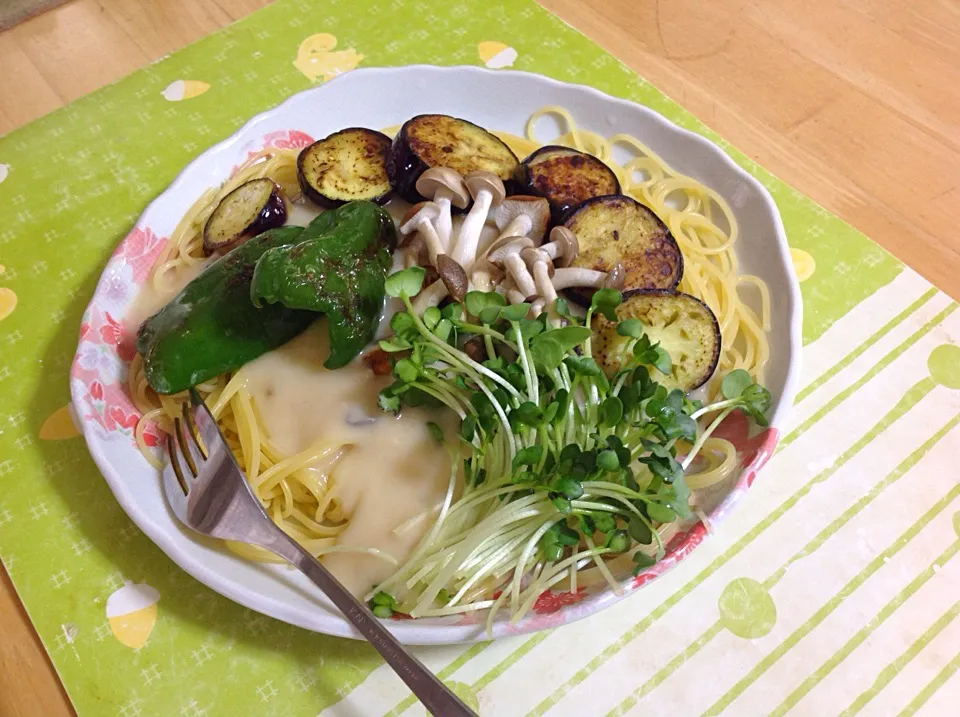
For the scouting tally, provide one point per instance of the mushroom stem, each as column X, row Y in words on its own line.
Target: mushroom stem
column 465, row 249
column 563, row 246
column 412, row 251
column 509, row 289
column 544, row 285
column 585, row 278
column 420, row 219
column 432, row 238
column 445, row 187
column 518, row 226
column 520, row 274
column 484, row 276
column 431, row 296
column 444, row 220
column 536, row 308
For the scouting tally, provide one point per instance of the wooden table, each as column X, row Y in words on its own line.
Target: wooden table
column 853, row 102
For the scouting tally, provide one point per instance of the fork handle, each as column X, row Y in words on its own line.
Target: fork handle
column 434, row 695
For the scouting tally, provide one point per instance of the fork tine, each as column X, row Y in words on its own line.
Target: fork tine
column 193, row 431
column 183, row 441
column 175, row 462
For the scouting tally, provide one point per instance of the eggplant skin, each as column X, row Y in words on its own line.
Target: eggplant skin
column 566, row 177
column 620, row 229
column 347, row 166
column 427, row 141
column 684, row 326
column 247, row 211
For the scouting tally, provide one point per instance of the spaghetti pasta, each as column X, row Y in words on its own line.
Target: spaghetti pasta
column 299, row 491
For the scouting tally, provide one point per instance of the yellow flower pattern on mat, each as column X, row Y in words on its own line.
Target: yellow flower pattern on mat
column 746, row 609
column 317, row 59
column 8, row 302
column 59, row 425
column 496, row 55
column 184, row 90
column 132, row 613
column 803, row 264
column 944, row 365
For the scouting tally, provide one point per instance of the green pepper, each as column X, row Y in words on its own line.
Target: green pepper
column 337, row 268
column 211, row 326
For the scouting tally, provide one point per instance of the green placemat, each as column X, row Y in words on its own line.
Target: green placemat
column 834, row 587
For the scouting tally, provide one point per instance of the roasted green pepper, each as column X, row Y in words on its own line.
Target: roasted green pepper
column 211, row 326
column 337, row 268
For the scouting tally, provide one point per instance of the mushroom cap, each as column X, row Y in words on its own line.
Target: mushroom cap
column 533, row 255
column 437, row 178
column 616, row 277
column 453, row 276
column 481, row 180
column 537, row 208
column 567, row 242
column 417, row 213
column 499, row 250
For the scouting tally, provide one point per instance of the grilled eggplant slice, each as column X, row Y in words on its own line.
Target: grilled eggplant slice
column 349, row 165
column 683, row 325
column 250, row 209
column 620, row 229
column 566, row 178
column 442, row 141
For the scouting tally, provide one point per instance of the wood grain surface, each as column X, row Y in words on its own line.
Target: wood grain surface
column 853, row 102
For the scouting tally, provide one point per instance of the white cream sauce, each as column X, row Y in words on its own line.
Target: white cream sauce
column 393, row 469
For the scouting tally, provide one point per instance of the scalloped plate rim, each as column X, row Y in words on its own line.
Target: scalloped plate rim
column 425, row 631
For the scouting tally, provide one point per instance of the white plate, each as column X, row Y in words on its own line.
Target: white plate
column 501, row 100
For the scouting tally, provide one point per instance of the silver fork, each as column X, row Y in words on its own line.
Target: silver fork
column 208, row 492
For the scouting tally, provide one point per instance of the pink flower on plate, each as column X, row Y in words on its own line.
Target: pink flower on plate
column 111, row 332
column 140, row 251
column 95, row 357
column 550, row 602
column 122, row 418
column 151, row 436
column 96, row 391
column 679, row 547
column 114, row 334
column 287, row 139
column 736, row 429
column 281, row 139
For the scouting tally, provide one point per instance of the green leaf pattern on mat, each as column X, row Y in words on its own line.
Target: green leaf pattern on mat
column 102, row 596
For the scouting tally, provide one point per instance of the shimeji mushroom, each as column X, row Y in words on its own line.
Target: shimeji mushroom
column 485, row 275
column 509, row 289
column 453, row 281
column 445, row 187
column 414, row 250
column 569, row 278
column 430, row 296
column 563, row 247
column 522, row 215
column 453, row 277
column 538, row 263
column 420, row 219
column 487, row 191
column 506, row 253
